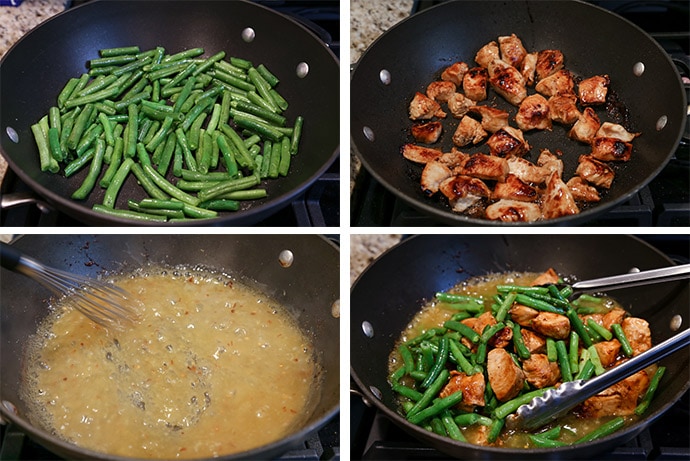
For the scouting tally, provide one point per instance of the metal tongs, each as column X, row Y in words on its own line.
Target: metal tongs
column 632, row 279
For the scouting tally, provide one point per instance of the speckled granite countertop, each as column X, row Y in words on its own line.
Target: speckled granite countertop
column 365, row 248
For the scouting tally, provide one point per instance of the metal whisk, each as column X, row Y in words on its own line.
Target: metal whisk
column 103, row 303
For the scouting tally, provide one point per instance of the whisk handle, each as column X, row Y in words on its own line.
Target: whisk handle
column 10, row 258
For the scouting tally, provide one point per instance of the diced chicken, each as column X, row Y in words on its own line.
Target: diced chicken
column 486, row 319
column 428, row 133
column 463, row 191
column 527, row 171
column 469, row 131
column 533, row 114
column 513, row 211
column 440, row 91
column 539, row 372
column 505, row 377
column 433, row 174
column 455, row 72
column 615, row 315
column 512, row 50
column 582, row 191
column 558, row 200
column 548, row 277
column 593, row 90
column 515, row 189
column 608, row 352
column 563, row 108
column 535, row 343
column 502, row 338
column 459, row 105
column 420, row 154
column 611, row 150
column 522, row 314
column 487, row 53
column 507, row 81
column 586, row 126
column 472, row 388
column 454, row 160
column 423, row 107
column 560, row 82
column 638, row 334
column 556, row 326
column 475, row 82
column 614, row 130
column 486, row 167
column 548, row 63
column 617, row 400
column 492, row 119
column 550, row 162
column 594, row 171
column 508, row 141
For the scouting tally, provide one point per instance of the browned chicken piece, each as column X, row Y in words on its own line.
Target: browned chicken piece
column 522, row 314
column 487, row 53
column 593, row 90
column 420, row 154
column 560, row 82
column 535, row 343
column 614, row 130
column 469, row 131
column 505, row 377
column 617, row 400
column 428, row 133
column 595, row 172
column 433, row 174
column 582, row 191
column 486, row 319
column 638, row 334
column 507, row 81
column 529, row 68
column 463, row 191
column 507, row 142
column 586, row 126
column 472, row 388
column 512, row 50
column 548, row 277
column 615, row 315
column 563, row 108
column 513, row 211
column 527, row 171
column 515, row 189
column 440, row 91
column 608, row 352
column 455, row 72
column 548, row 63
column 502, row 338
column 486, row 167
column 611, row 150
column 539, row 372
column 492, row 119
column 459, row 105
column 556, row 326
column 550, row 162
column 533, row 114
column 558, row 200
column 423, row 107
column 474, row 83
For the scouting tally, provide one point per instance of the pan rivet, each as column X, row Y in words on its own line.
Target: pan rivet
column 375, row 390
column 676, row 322
column 368, row 329
column 248, row 35
column 286, row 258
column 661, row 123
column 638, row 69
column 369, row 133
column 12, row 133
column 385, row 77
column 335, row 309
column 302, row 69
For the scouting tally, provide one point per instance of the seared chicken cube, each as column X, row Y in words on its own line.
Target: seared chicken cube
column 433, row 174
column 607, row 352
column 533, row 114
column 563, row 108
column 459, row 105
column 548, row 277
column 440, row 91
column 513, row 211
column 474, row 83
column 617, row 400
column 555, row 326
column 529, row 68
column 550, row 162
column 423, row 107
column 535, row 343
column 514, row 189
column 472, row 388
column 611, row 150
column 420, row 154
column 558, row 200
column 428, row 133
column 548, row 63
column 586, row 126
column 455, row 72
column 539, row 372
column 505, row 377
column 463, row 191
column 594, row 171
column 486, row 319
column 508, row 141
column 638, row 334
column 469, row 131
column 522, row 315
column 593, row 90
column 486, row 167
column 512, row 50
column 487, row 53
column 615, row 315
column 582, row 191
column 560, row 82
column 492, row 119
column 614, row 130
column 527, row 171
column 507, row 81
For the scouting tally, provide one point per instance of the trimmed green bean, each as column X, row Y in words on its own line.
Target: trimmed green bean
column 495, row 430
column 603, row 430
column 296, row 134
column 651, row 390
column 221, row 205
column 469, row 419
column 620, row 336
column 537, row 304
column 519, row 343
column 601, row 331
column 452, row 429
column 539, row 441
column 47, row 161
column 578, row 326
column 115, row 185
column 512, row 405
column 435, row 408
column 169, row 188
column 594, row 358
column 407, row 392
column 460, row 359
column 430, row 393
column 463, row 329
column 563, row 361
column 439, row 364
column 573, row 351
column 128, row 214
column 94, row 170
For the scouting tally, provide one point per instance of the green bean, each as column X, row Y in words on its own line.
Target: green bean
column 267, row 75
column 563, row 361
column 167, row 154
column 521, row 289
column 279, row 100
column 407, row 392
column 651, row 390
column 480, row 355
column 80, row 126
column 128, row 214
column 116, row 184
column 461, row 360
column 551, row 352
column 253, row 109
column 167, row 212
column 495, row 430
column 505, row 306
column 603, row 430
column 578, row 326
column 124, row 50
column 263, row 129
column 79, row 162
column 48, row 162
column 262, row 87
column 620, row 336
column 463, row 329
column 573, row 351
column 243, row 156
column 435, row 408
column 540, row 441
column 439, row 364
column 67, row 91
column 407, row 358
column 490, row 331
column 198, row 213
column 147, row 182
column 161, row 204
column 224, row 187
column 284, row 164
column 469, row 419
column 94, row 170
column 452, row 429
column 115, row 161
column 186, row 54
column 430, row 392
column 519, row 343
column 537, row 304
column 186, row 152
column 221, row 205
column 54, row 145
column 551, row 434
column 454, row 298
column 241, row 63
column 548, row 298
column 512, row 405
column 601, row 331
column 93, row 132
column 168, row 188
column 296, row 134
column 594, row 358
column 586, row 370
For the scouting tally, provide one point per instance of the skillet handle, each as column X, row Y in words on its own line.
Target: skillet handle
column 23, row 198
column 9, row 257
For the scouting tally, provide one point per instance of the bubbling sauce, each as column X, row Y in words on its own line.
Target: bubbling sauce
column 211, row 367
